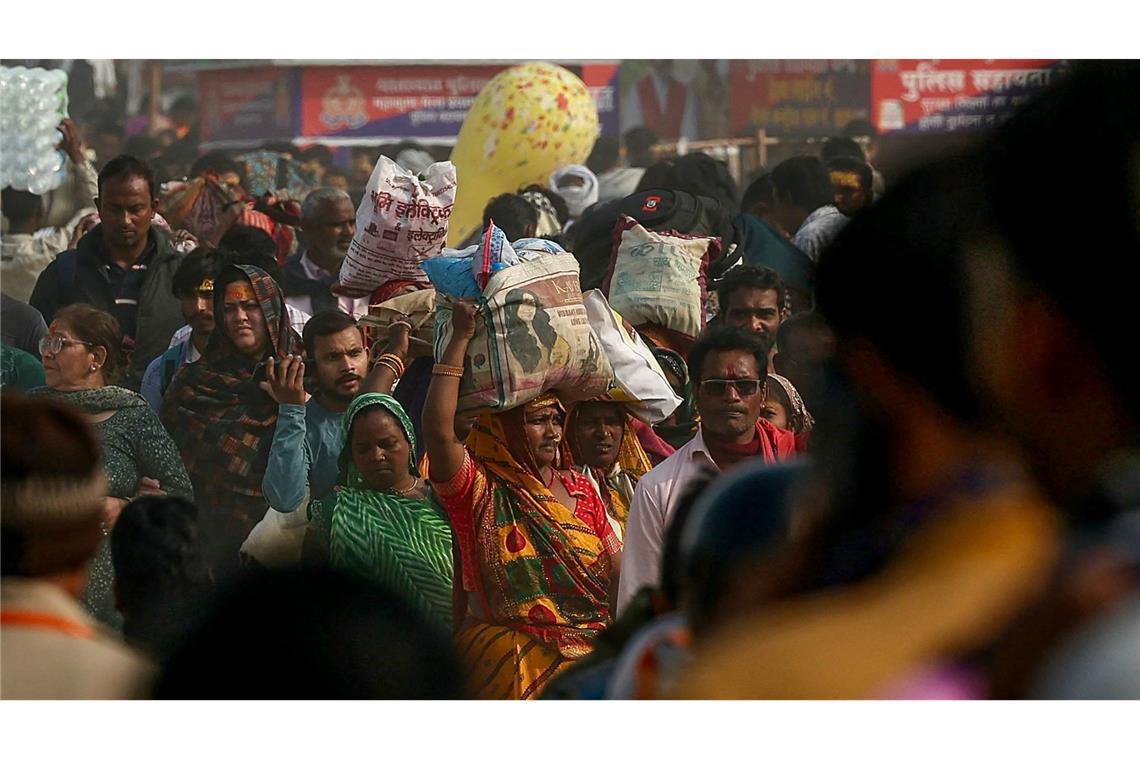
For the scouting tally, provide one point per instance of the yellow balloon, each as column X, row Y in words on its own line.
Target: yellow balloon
column 528, row 121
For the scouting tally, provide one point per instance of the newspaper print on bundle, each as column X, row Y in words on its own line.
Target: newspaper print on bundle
column 535, row 336
column 402, row 221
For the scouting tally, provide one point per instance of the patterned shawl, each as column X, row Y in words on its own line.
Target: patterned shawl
column 632, row 464
column 537, row 567
column 799, row 418
column 401, row 542
column 96, row 400
column 220, row 419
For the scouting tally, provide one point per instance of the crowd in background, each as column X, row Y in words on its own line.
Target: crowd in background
column 905, row 462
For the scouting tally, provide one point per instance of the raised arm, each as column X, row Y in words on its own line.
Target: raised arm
column 383, row 374
column 446, row 452
column 286, row 481
column 86, row 181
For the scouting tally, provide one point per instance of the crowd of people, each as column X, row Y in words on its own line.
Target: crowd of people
column 905, row 461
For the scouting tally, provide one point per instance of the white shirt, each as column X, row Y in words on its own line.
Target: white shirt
column 23, row 257
column 654, row 502
column 357, row 307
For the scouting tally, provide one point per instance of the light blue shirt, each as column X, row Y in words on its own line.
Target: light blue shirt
column 303, row 458
column 153, row 388
column 819, row 229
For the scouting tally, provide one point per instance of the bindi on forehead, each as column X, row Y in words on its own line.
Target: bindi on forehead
column 735, row 365
column 240, row 291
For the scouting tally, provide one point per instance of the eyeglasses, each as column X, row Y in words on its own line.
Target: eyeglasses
column 719, row 388
column 53, row 344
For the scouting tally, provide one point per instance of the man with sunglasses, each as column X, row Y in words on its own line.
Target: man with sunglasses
column 728, row 367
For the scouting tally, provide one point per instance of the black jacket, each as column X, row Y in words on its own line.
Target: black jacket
column 296, row 283
column 77, row 276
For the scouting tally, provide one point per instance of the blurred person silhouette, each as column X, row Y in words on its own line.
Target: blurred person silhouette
column 639, row 142
column 863, row 133
column 614, row 179
column 513, row 214
column 851, row 181
column 51, row 526
column 161, row 580
column 763, row 244
column 804, row 344
column 805, row 204
column 1052, row 363
column 841, row 147
column 931, row 538
column 733, row 529
column 347, row 639
column 21, row 326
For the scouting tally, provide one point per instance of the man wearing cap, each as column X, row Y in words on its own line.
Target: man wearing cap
column 51, row 526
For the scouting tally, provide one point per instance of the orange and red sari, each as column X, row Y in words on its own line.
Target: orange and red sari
column 539, row 569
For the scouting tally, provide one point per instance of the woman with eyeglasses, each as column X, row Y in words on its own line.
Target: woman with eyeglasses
column 83, row 356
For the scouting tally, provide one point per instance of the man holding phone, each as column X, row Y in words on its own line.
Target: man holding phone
column 306, row 445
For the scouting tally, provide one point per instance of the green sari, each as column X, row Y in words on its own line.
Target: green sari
column 401, row 542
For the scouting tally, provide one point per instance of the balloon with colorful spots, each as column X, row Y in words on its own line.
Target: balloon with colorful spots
column 528, row 121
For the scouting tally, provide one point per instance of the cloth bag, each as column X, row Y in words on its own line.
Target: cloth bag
column 659, row 278
column 277, row 540
column 535, row 336
column 203, row 207
column 639, row 381
column 402, row 221
column 416, row 308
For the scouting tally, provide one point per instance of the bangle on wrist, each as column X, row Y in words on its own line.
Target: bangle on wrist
column 447, row 370
column 393, row 361
column 391, row 365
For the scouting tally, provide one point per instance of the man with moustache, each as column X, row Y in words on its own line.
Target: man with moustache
column 328, row 222
column 728, row 366
column 306, row 443
column 124, row 266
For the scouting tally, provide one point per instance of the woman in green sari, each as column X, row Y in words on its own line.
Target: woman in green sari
column 382, row 522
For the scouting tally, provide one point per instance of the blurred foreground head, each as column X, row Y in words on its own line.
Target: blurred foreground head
column 1051, row 288
column 309, row 633
column 53, row 488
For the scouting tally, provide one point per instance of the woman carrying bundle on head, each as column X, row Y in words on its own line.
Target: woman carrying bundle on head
column 538, row 555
